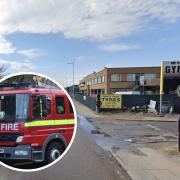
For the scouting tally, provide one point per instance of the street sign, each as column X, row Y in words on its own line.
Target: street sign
column 171, row 68
column 169, row 79
column 111, row 101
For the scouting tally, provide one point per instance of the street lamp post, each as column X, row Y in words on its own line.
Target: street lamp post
column 72, row 63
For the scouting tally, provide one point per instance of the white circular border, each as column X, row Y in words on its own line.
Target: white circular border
column 75, row 126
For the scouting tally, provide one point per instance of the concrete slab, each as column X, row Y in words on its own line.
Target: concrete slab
column 151, row 164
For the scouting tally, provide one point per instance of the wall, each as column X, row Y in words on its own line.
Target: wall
column 124, row 84
column 98, row 85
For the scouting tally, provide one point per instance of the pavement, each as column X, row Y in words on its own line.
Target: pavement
column 145, row 147
column 149, row 164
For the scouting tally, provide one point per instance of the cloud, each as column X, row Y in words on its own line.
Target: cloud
column 169, row 39
column 80, row 59
column 18, row 66
column 32, row 53
column 6, row 46
column 85, row 19
column 114, row 47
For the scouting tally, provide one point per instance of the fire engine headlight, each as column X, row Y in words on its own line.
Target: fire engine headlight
column 20, row 153
column 19, row 139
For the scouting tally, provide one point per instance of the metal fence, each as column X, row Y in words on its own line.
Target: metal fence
column 87, row 101
column 135, row 100
column 140, row 100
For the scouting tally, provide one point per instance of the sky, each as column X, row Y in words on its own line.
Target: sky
column 43, row 36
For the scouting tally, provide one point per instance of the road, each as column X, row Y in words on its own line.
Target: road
column 85, row 160
column 124, row 129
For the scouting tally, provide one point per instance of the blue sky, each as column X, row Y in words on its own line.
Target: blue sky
column 44, row 36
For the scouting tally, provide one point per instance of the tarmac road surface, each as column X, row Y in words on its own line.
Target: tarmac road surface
column 84, row 161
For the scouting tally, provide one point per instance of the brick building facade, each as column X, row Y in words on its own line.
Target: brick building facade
column 146, row 80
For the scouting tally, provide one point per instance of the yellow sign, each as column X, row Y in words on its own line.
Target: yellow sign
column 111, row 101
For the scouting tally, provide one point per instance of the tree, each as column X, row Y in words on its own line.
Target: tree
column 3, row 69
column 20, row 78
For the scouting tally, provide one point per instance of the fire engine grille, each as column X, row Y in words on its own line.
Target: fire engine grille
column 8, row 137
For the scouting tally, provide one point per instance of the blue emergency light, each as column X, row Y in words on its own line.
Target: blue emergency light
column 17, row 84
column 27, row 84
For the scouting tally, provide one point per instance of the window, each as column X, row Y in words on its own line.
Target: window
column 70, row 108
column 102, row 91
column 99, row 80
column 149, row 76
column 131, row 77
column 60, row 105
column 88, row 83
column 118, row 77
column 14, row 107
column 48, row 105
column 103, row 79
column 22, row 106
column 115, row 77
column 41, row 106
column 95, row 81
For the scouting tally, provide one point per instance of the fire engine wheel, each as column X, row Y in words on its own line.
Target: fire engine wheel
column 54, row 150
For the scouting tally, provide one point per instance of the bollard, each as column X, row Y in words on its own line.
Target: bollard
column 98, row 103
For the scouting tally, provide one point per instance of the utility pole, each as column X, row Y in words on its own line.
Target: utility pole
column 72, row 63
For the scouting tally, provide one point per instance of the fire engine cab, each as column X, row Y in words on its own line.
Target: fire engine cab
column 36, row 123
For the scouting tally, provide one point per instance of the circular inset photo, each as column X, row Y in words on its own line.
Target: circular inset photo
column 37, row 122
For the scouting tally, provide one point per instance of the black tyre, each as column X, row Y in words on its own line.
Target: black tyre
column 54, row 151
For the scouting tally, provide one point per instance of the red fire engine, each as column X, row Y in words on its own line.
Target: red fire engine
column 36, row 123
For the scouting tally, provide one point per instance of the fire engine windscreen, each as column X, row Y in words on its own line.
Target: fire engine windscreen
column 14, row 107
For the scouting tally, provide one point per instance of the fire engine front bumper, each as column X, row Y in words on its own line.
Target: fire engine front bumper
column 20, row 152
